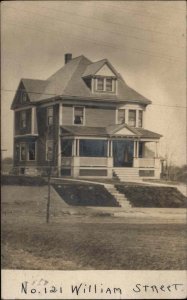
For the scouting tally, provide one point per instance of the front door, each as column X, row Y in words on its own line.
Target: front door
column 123, row 153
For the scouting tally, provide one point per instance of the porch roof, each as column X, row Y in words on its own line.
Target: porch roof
column 110, row 131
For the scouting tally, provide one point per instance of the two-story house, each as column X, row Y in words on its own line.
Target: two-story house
column 84, row 120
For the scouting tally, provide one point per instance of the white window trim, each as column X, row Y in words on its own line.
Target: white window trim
column 20, row 151
column 23, row 111
column 28, row 151
column 84, row 115
column 114, row 83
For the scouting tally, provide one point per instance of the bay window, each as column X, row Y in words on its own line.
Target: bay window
column 140, row 118
column 121, row 116
column 50, row 115
column 132, row 118
column 23, row 119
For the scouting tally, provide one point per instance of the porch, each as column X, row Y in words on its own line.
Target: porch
column 96, row 156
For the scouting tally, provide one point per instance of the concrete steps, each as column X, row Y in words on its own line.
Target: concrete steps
column 127, row 174
column 120, row 198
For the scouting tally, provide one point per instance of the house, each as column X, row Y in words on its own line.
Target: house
column 84, row 120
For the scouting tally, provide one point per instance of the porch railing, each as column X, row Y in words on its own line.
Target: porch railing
column 93, row 161
column 146, row 162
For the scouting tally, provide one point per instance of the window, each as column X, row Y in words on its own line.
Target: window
column 79, row 115
column 100, row 84
column 50, row 115
column 105, row 84
column 93, row 148
column 49, row 150
column 24, row 97
column 23, row 117
column 140, row 118
column 66, row 147
column 17, row 151
column 23, row 153
column 109, row 84
column 132, row 118
column 31, row 151
column 121, row 116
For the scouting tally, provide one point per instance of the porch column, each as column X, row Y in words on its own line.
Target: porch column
column 75, row 158
column 134, row 150
column 156, row 150
column 109, row 160
column 137, row 149
column 108, row 148
column 59, row 159
column 77, row 147
column 111, row 148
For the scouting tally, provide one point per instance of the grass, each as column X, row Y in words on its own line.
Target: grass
column 85, row 194
column 72, row 242
column 153, row 196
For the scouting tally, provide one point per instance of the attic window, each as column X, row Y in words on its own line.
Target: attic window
column 100, row 84
column 23, row 97
column 105, row 84
column 109, row 84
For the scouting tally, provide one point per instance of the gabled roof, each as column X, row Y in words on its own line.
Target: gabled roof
column 34, row 87
column 93, row 68
column 69, row 81
column 112, row 130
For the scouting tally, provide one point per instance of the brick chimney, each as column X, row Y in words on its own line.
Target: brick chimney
column 68, row 57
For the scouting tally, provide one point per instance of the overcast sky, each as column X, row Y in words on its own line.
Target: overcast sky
column 145, row 42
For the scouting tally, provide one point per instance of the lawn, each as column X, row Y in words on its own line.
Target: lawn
column 74, row 242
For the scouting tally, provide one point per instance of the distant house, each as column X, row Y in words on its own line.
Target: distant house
column 84, row 120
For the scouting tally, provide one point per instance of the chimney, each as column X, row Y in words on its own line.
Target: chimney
column 68, row 57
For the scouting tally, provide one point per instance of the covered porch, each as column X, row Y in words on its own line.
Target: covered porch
column 101, row 156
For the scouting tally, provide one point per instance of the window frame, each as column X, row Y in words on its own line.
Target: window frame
column 34, row 151
column 140, row 112
column 124, row 115
column 46, row 150
column 83, row 121
column 105, row 90
column 134, row 110
column 23, row 97
column 20, row 152
column 23, row 121
column 50, row 108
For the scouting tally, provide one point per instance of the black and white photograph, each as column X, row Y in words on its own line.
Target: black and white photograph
column 93, row 149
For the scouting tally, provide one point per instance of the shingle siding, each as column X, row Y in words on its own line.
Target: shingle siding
column 67, row 115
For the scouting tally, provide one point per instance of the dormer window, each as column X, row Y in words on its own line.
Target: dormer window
column 105, row 84
column 100, row 84
column 109, row 84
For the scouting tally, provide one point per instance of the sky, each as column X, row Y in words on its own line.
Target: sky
column 144, row 40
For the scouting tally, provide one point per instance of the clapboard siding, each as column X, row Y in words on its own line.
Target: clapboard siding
column 99, row 117
column 95, row 117
column 67, row 115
